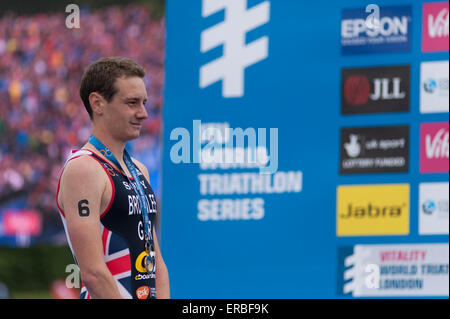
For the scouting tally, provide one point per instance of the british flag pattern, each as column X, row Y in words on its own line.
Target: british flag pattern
column 122, row 244
column 117, row 259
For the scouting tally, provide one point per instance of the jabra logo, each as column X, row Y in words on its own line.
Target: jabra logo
column 370, row 210
column 373, row 211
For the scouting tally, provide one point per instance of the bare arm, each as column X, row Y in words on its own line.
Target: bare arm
column 82, row 185
column 161, row 272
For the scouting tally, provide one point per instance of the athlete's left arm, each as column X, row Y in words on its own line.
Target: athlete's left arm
column 161, row 272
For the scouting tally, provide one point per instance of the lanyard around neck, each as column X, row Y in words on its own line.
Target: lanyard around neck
column 136, row 186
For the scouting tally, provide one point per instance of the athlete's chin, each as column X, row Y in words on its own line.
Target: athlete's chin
column 132, row 135
column 132, row 132
column 135, row 135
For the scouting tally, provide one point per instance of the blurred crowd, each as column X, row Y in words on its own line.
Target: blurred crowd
column 42, row 116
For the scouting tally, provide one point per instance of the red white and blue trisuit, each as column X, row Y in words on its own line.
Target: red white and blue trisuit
column 122, row 232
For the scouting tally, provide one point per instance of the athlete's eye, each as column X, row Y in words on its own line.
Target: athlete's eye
column 135, row 102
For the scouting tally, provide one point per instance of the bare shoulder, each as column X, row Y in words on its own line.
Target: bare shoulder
column 81, row 168
column 82, row 175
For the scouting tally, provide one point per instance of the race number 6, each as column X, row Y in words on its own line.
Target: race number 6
column 83, row 211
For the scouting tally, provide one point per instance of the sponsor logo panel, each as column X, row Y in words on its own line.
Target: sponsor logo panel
column 374, row 149
column 434, row 87
column 375, row 90
column 142, row 292
column 400, row 270
column 435, row 20
column 434, row 147
column 368, row 210
column 392, row 34
column 433, row 208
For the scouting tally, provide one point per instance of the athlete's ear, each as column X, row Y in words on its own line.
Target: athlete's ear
column 97, row 103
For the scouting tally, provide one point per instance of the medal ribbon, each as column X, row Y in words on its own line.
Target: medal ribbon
column 137, row 187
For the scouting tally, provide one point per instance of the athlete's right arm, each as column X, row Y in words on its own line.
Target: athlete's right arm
column 82, row 185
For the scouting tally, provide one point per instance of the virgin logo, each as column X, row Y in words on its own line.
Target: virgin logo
column 435, row 22
column 434, row 147
column 437, row 147
column 438, row 27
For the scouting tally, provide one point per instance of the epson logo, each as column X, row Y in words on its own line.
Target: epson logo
column 388, row 26
column 390, row 33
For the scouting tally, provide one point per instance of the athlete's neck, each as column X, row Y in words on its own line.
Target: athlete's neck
column 115, row 146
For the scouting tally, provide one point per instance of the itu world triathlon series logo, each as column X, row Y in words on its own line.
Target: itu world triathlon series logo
column 237, row 55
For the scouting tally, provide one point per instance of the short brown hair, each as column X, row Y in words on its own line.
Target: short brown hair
column 101, row 75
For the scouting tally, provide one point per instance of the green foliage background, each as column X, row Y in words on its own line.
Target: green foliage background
column 33, row 268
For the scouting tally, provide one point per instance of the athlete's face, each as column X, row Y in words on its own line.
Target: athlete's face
column 126, row 110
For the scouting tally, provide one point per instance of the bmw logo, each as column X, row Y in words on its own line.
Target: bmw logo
column 430, row 85
column 429, row 207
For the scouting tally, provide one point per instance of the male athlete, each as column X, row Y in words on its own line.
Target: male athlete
column 109, row 216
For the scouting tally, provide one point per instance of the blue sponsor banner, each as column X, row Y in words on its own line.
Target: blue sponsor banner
column 273, row 70
column 380, row 30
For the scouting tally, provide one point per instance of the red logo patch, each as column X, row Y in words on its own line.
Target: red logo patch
column 142, row 292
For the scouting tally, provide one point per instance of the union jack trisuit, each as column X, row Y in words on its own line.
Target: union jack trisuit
column 122, row 232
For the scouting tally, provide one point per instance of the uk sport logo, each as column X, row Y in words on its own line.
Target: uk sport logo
column 231, row 33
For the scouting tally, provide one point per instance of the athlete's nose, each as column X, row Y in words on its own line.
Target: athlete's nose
column 142, row 113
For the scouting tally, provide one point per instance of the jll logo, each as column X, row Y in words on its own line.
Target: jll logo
column 381, row 89
column 357, row 89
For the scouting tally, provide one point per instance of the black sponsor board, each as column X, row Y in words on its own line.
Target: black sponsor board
column 374, row 149
column 375, row 90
